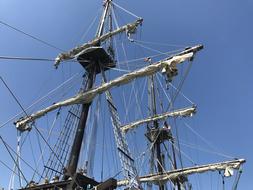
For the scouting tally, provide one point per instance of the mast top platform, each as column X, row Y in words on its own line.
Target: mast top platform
column 94, row 57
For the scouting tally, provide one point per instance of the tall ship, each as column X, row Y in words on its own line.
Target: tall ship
column 117, row 123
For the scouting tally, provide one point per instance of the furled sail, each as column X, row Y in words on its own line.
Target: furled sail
column 174, row 174
column 88, row 96
column 176, row 113
column 129, row 28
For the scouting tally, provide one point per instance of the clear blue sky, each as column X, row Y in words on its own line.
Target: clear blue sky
column 220, row 83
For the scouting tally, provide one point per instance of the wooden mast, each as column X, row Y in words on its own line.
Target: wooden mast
column 71, row 167
column 77, row 144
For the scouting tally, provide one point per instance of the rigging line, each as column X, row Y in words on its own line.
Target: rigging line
column 162, row 44
column 205, row 140
column 9, row 168
column 32, row 59
column 52, row 151
column 148, row 48
column 152, row 56
column 33, row 155
column 13, row 158
column 9, row 148
column 168, row 154
column 238, row 176
column 165, row 172
column 5, row 84
column 133, row 84
column 204, row 150
column 123, row 91
column 159, row 95
column 183, row 153
column 31, row 36
column 18, row 160
column 134, row 15
column 160, row 83
column 181, row 83
column 178, row 91
column 181, row 93
column 120, row 70
column 27, row 115
column 63, row 92
column 179, row 147
column 39, row 143
column 93, row 137
column 92, row 23
column 103, row 145
column 114, row 17
column 25, row 58
column 43, row 97
column 48, row 137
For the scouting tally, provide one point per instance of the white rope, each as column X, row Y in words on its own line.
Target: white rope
column 148, row 48
column 133, row 87
column 179, row 91
column 160, row 83
column 92, row 23
column 205, row 140
column 114, row 18
column 44, row 147
column 183, row 153
column 42, row 98
column 134, row 15
column 161, row 44
column 120, row 70
column 165, row 172
column 205, row 150
column 152, row 56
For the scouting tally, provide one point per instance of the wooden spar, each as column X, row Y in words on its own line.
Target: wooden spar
column 174, row 174
column 89, row 95
column 184, row 112
column 75, row 52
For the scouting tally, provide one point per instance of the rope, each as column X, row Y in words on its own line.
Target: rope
column 133, row 87
column 9, row 168
column 204, row 140
column 183, row 153
column 114, row 18
column 31, row 36
column 8, row 150
column 92, row 23
column 49, row 136
column 161, row 44
column 238, row 176
column 25, row 58
column 181, row 93
column 39, row 100
column 204, row 150
column 124, row 10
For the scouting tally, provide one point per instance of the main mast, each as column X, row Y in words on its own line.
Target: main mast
column 71, row 167
column 92, row 67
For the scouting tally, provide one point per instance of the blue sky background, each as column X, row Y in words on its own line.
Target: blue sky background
column 220, row 82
